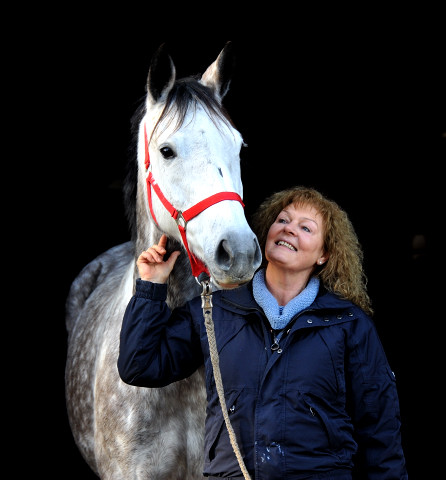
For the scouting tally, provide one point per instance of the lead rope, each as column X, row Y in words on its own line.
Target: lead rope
column 206, row 305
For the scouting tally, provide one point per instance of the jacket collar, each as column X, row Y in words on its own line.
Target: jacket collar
column 242, row 298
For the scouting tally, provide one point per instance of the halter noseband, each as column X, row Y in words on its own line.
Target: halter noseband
column 180, row 217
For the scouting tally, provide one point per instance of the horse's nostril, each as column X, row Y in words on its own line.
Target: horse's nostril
column 230, row 256
column 225, row 255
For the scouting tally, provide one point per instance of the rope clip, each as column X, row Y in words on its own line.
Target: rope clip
column 206, row 295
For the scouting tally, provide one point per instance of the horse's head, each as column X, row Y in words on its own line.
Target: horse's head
column 189, row 169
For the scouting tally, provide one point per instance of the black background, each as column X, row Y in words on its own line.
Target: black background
column 361, row 118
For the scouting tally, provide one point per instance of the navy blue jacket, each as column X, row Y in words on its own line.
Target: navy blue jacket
column 325, row 400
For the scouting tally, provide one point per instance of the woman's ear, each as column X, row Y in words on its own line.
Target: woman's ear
column 322, row 260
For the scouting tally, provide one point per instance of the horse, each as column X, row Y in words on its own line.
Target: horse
column 185, row 181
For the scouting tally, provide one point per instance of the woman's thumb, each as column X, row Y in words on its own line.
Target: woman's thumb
column 173, row 258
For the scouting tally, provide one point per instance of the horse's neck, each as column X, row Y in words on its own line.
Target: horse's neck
column 181, row 285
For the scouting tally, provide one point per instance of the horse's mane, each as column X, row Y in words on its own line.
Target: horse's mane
column 186, row 93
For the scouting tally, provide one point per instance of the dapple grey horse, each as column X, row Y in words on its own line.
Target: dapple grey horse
column 185, row 182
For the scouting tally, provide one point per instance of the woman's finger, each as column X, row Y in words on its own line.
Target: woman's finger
column 163, row 241
column 158, row 248
column 151, row 256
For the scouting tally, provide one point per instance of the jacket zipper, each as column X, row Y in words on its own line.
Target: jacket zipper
column 275, row 347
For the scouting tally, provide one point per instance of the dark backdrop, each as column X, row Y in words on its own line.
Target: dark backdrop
column 364, row 122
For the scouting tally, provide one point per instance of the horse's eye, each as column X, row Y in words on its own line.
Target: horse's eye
column 167, row 152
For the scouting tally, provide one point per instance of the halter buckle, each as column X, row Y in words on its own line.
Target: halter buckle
column 181, row 221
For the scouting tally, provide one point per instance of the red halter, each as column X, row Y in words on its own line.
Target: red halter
column 182, row 218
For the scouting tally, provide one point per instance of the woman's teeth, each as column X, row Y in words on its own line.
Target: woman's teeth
column 287, row 245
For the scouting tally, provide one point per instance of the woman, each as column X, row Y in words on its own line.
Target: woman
column 309, row 391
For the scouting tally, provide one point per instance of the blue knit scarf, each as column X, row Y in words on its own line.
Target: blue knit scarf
column 279, row 316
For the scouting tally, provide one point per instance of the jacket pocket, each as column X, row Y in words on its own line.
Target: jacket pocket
column 321, row 423
column 216, row 435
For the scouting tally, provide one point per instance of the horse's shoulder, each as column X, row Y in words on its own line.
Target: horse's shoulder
column 107, row 267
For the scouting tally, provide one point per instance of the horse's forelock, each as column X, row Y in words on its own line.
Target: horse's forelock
column 187, row 93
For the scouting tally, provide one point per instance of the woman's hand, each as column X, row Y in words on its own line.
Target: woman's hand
column 151, row 264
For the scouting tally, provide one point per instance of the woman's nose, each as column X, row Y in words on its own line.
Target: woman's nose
column 291, row 229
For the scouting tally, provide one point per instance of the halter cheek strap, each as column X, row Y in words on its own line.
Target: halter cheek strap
column 182, row 218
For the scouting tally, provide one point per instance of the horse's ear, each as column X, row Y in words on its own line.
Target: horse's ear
column 161, row 75
column 218, row 75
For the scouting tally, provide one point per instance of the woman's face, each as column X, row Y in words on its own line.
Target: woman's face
column 295, row 241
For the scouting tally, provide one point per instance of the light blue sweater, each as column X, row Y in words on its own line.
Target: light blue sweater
column 279, row 316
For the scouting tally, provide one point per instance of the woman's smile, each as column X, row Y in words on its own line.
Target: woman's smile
column 287, row 245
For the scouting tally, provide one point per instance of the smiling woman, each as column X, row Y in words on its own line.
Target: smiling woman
column 314, row 379
column 341, row 256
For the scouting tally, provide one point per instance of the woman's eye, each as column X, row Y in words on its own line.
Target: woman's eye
column 306, row 228
column 167, row 152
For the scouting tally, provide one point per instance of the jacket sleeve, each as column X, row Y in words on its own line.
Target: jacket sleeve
column 157, row 346
column 375, row 406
